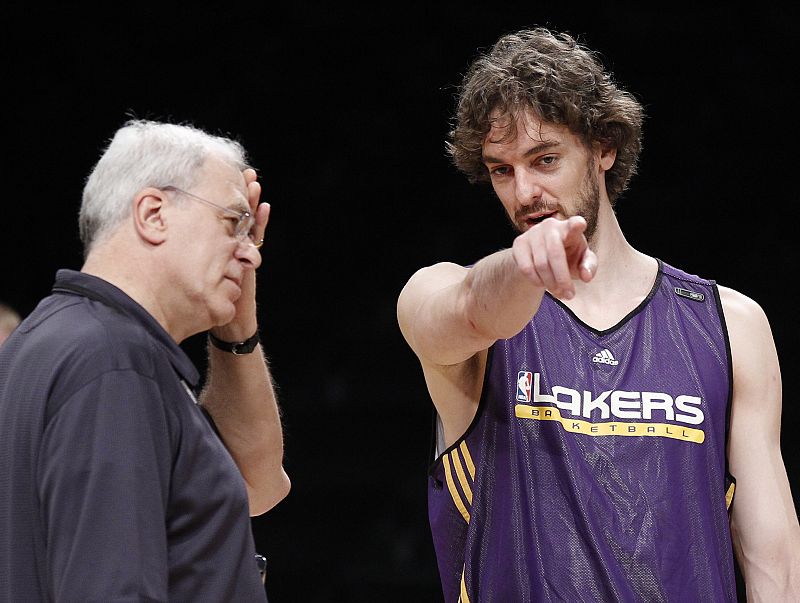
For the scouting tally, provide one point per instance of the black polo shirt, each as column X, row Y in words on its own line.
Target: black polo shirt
column 114, row 486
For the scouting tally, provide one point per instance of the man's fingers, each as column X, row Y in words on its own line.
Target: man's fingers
column 555, row 253
column 582, row 260
column 262, row 215
column 253, row 194
column 559, row 279
column 575, row 227
column 524, row 259
column 250, row 175
column 543, row 261
column 588, row 266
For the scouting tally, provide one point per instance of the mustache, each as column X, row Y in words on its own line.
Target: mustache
column 536, row 207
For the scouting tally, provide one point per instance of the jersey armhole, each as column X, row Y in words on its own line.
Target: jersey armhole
column 437, row 449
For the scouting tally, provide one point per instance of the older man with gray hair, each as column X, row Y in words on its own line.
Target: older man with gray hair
column 120, row 481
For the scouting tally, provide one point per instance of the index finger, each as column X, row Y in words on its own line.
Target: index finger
column 253, row 195
column 250, row 175
column 576, row 226
column 581, row 259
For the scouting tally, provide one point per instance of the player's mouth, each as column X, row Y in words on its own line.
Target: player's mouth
column 536, row 218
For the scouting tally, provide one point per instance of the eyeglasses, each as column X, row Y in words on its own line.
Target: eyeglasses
column 244, row 219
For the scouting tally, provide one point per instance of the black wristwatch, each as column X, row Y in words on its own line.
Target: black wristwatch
column 235, row 347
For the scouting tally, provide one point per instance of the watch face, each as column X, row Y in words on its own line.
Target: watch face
column 246, row 346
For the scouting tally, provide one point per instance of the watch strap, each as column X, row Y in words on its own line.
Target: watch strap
column 235, row 347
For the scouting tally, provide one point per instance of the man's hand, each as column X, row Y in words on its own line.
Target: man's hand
column 239, row 393
column 554, row 253
column 245, row 322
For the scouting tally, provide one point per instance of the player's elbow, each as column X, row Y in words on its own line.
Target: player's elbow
column 269, row 494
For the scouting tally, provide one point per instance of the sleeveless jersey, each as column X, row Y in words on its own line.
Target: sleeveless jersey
column 595, row 467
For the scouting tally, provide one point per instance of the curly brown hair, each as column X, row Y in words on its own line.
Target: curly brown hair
column 562, row 82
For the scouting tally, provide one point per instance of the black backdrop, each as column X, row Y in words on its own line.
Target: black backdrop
column 344, row 111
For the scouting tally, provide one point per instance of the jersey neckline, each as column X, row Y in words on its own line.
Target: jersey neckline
column 641, row 306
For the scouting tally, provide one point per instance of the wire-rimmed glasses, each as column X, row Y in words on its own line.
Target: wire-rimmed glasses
column 245, row 220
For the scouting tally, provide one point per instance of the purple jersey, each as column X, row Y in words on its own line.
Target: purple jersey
column 595, row 467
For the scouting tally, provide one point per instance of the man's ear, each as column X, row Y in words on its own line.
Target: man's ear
column 149, row 218
column 608, row 156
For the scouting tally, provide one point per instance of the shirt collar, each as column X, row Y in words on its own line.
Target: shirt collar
column 86, row 285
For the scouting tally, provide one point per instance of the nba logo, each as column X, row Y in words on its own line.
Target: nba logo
column 524, row 386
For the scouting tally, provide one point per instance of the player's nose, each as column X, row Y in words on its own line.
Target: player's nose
column 527, row 187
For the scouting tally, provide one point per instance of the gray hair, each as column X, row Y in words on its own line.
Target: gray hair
column 146, row 153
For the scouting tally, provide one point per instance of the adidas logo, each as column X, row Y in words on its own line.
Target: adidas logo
column 605, row 357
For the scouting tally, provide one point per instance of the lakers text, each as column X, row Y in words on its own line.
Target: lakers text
column 622, row 405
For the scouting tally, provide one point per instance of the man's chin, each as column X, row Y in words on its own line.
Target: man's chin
column 224, row 314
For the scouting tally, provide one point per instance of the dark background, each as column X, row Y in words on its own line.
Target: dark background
column 344, row 111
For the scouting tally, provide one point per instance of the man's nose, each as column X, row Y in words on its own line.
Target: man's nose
column 247, row 253
column 527, row 187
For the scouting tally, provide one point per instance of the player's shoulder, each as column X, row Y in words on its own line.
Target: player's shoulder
column 737, row 305
column 745, row 319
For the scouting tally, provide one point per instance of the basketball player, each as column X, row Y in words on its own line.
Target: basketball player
column 608, row 425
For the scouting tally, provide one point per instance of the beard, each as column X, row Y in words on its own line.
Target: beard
column 587, row 205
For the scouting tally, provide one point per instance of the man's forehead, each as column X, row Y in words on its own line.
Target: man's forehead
column 507, row 127
column 222, row 173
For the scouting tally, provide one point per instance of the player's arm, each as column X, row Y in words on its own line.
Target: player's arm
column 764, row 524
column 448, row 313
column 240, row 395
column 451, row 315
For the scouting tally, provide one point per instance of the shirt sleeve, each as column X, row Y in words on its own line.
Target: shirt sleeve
column 103, row 478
